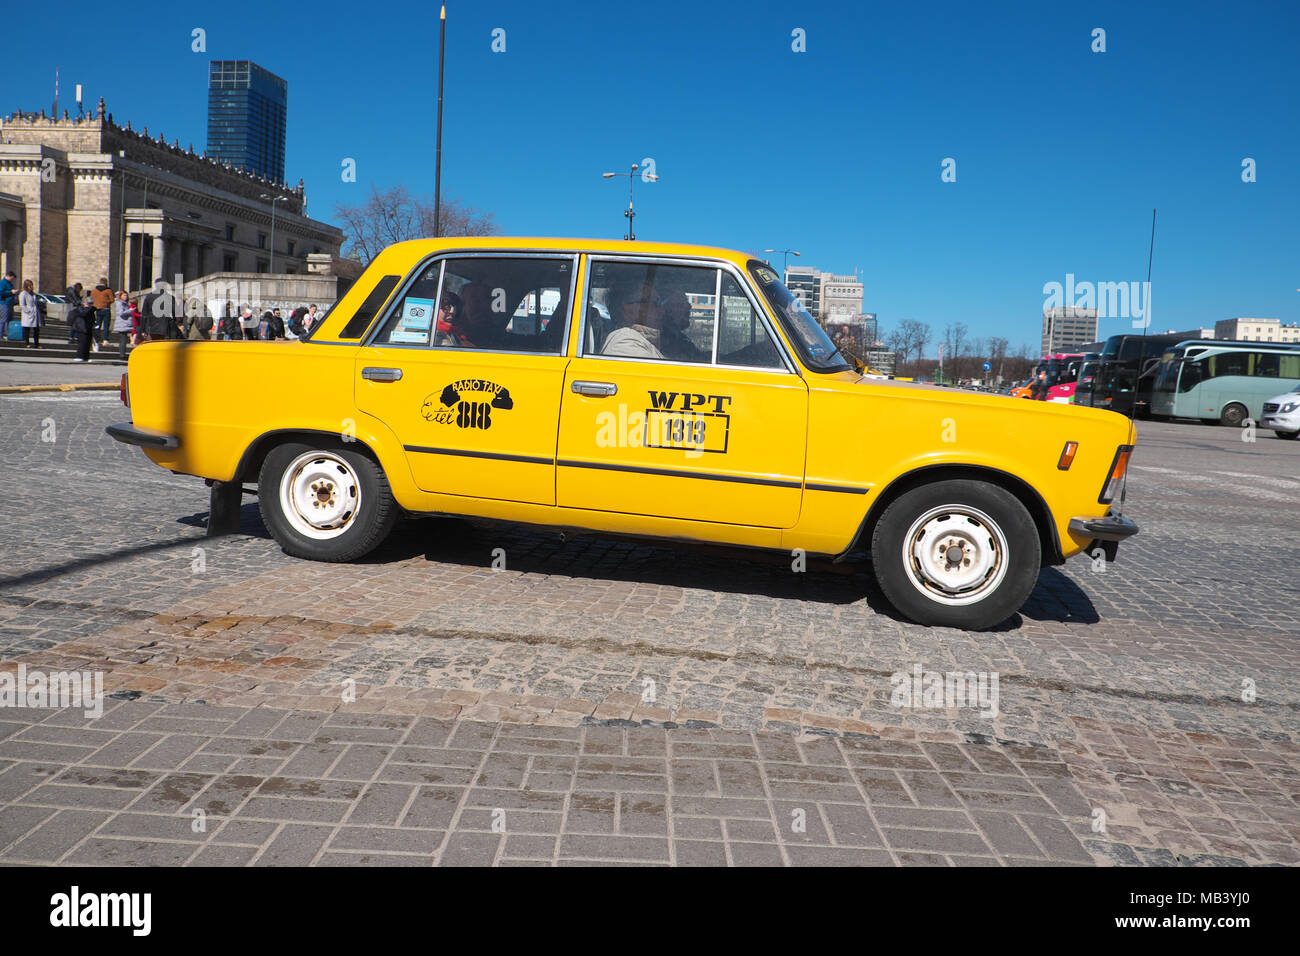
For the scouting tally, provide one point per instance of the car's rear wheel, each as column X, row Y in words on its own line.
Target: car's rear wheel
column 1233, row 414
column 957, row 553
column 325, row 503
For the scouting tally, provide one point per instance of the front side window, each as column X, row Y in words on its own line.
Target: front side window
column 652, row 311
column 742, row 337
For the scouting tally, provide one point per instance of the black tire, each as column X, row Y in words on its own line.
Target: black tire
column 336, row 476
column 1289, row 436
column 1233, row 414
column 968, row 515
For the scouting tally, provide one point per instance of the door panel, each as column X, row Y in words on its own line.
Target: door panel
column 697, row 442
column 472, row 423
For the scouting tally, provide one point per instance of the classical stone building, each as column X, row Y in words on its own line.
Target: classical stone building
column 84, row 198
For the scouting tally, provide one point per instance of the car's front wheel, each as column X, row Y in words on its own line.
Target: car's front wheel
column 957, row 553
column 325, row 503
column 1291, row 436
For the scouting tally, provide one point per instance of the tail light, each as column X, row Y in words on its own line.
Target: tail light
column 1118, row 468
column 124, row 393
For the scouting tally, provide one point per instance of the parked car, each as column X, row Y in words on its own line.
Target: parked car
column 1282, row 414
column 674, row 391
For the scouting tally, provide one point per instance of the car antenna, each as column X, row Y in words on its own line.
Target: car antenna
column 1132, row 411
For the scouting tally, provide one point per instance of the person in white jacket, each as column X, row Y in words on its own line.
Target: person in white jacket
column 31, row 316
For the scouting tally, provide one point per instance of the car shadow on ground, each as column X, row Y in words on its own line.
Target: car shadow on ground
column 530, row 550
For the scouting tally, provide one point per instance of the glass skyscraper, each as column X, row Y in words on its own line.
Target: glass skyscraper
column 246, row 117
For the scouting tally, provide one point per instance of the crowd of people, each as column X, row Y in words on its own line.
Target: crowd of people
column 95, row 315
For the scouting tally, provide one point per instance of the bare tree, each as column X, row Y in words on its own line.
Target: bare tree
column 908, row 340
column 998, row 353
column 395, row 215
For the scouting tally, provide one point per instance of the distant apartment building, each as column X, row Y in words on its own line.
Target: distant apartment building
column 827, row 296
column 1066, row 329
column 841, row 297
column 1256, row 330
column 247, row 117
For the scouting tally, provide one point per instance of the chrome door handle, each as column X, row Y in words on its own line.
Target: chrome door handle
column 600, row 389
column 381, row 374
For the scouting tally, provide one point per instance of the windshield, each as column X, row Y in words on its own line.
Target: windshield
column 801, row 328
column 1167, row 378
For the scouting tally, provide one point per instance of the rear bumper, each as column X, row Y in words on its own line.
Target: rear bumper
column 1109, row 528
column 144, row 437
column 1106, row 533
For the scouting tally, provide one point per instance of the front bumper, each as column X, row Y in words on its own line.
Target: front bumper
column 1289, row 422
column 144, row 437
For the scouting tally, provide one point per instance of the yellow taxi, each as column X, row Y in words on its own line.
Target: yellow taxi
column 649, row 389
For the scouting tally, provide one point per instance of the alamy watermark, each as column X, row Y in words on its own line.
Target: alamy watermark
column 919, row 688
column 84, row 689
column 1112, row 300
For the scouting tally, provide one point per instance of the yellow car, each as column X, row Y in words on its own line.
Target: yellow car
column 650, row 389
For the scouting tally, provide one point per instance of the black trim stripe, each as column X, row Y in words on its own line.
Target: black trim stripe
column 495, row 456
column 670, row 473
column 843, row 489
column 635, row 469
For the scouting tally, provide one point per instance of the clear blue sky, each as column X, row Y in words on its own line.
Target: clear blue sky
column 1061, row 153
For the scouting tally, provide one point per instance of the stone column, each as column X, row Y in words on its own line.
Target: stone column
column 159, row 261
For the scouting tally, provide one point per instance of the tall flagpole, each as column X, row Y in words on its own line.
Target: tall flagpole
column 437, row 175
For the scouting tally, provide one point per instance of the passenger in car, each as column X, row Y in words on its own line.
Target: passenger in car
column 673, row 341
column 638, row 321
column 487, row 329
column 448, row 331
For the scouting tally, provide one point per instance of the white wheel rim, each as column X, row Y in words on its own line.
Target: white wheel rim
column 955, row 555
column 320, row 495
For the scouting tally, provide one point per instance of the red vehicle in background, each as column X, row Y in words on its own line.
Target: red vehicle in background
column 1063, row 376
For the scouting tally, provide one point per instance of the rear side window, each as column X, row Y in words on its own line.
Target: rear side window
column 362, row 318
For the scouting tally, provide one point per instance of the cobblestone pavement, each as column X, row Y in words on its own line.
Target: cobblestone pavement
column 630, row 701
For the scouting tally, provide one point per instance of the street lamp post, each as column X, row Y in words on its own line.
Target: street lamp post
column 437, row 166
column 629, row 212
column 785, row 262
column 274, row 200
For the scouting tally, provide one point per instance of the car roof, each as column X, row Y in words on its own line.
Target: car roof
column 422, row 247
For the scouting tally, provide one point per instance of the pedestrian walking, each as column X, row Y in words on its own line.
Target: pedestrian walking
column 80, row 320
column 200, row 327
column 31, row 316
column 310, row 318
column 231, row 326
column 103, row 298
column 137, row 323
column 123, row 324
column 159, row 311
column 276, row 330
column 248, row 324
column 264, row 326
column 296, row 328
column 72, row 295
column 6, row 301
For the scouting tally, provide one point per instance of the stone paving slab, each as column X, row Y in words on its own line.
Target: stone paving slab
column 458, row 792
